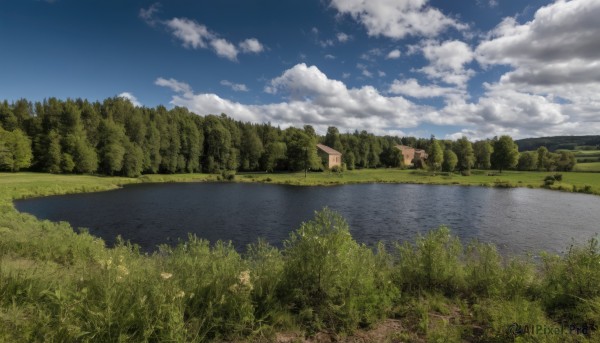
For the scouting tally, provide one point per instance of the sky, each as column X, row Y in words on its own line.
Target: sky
column 474, row 68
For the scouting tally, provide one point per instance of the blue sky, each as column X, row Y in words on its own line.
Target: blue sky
column 409, row 67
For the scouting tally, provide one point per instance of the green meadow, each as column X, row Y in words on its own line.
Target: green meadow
column 60, row 286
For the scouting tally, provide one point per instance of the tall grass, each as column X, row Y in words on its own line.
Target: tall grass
column 62, row 286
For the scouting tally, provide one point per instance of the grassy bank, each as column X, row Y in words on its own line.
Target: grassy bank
column 570, row 181
column 56, row 285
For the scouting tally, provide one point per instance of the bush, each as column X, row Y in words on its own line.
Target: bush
column 228, row 175
column 330, row 281
column 558, row 177
column 432, row 263
column 571, row 282
column 465, row 172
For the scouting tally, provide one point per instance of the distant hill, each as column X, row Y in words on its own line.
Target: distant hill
column 558, row 142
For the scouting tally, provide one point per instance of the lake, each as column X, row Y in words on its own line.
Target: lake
column 518, row 220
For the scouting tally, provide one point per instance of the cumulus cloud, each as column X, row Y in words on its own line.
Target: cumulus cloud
column 131, row 98
column 194, row 35
column 397, row 19
column 224, row 48
column 238, row 87
column 394, row 54
column 251, row 45
column 342, row 37
column 174, row 85
column 554, row 81
column 310, row 97
column 447, row 61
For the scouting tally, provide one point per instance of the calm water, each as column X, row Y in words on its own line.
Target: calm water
column 518, row 220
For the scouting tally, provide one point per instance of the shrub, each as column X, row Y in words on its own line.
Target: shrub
column 228, row 175
column 483, row 270
column 432, row 263
column 558, row 177
column 330, row 281
column 571, row 281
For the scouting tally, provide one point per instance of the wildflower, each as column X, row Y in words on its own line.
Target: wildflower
column 180, row 294
column 244, row 278
column 122, row 270
column 166, row 276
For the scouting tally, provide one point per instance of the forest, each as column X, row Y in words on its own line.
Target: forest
column 114, row 137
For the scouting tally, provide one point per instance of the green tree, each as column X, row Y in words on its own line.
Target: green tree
column 15, row 150
column 566, row 161
column 450, row 161
column 53, row 156
column 133, row 160
column 528, row 160
column 332, row 139
column 111, row 149
column 251, row 149
column 506, row 153
column 464, row 152
column 436, row 155
column 543, row 158
column 274, row 156
column 392, row 157
column 483, row 152
column 301, row 150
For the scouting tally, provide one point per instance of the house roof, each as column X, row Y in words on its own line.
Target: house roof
column 328, row 150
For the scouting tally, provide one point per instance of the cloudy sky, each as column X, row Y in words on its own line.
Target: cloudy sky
column 478, row 68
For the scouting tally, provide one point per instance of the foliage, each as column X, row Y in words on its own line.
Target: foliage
column 58, row 285
column 330, row 280
column 15, row 150
column 506, row 153
column 436, row 155
column 450, row 161
column 464, row 153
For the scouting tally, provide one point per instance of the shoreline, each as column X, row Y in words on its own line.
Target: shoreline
column 585, row 183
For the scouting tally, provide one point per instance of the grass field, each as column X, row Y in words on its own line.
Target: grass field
column 477, row 178
column 587, row 160
column 588, row 167
column 60, row 286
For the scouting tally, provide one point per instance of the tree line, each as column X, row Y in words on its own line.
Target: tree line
column 114, row 137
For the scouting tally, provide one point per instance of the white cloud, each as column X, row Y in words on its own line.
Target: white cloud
column 192, row 34
column 560, row 45
column 342, row 37
column 147, row 14
column 197, row 36
column 345, row 75
column 554, row 81
column 174, row 85
column 394, row 54
column 364, row 70
column 131, row 98
column 371, row 55
column 311, row 98
column 224, row 49
column 381, row 73
column 251, row 45
column 238, row 87
column 397, row 19
column 329, row 57
column 326, row 43
column 447, row 61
